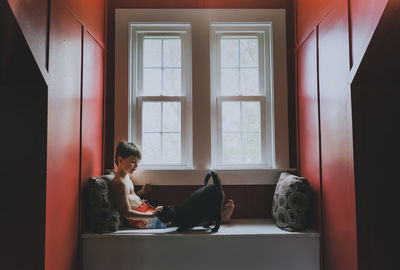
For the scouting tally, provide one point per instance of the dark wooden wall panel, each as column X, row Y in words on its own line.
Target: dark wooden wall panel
column 43, row 92
column 364, row 17
column 308, row 115
column 63, row 151
column 338, row 194
column 91, row 14
column 32, row 17
column 253, row 201
column 23, row 137
column 308, row 14
column 376, row 110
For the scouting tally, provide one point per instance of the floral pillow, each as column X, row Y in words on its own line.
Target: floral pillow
column 291, row 203
column 104, row 214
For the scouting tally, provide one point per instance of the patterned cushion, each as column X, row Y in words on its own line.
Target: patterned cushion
column 291, row 203
column 105, row 216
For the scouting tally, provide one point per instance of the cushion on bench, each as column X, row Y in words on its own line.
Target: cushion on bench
column 291, row 203
column 105, row 216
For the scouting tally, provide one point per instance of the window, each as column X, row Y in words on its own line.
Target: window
column 161, row 93
column 202, row 89
column 241, row 96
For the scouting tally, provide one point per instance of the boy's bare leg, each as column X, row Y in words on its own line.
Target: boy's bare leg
column 227, row 211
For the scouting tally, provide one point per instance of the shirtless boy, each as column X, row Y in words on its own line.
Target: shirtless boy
column 139, row 214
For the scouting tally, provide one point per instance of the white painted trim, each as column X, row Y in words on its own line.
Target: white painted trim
column 200, row 20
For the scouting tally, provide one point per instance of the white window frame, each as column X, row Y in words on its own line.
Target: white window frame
column 137, row 33
column 200, row 21
column 263, row 32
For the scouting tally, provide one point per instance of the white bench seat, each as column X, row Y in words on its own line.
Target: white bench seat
column 242, row 244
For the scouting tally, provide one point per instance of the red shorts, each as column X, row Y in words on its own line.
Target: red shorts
column 151, row 223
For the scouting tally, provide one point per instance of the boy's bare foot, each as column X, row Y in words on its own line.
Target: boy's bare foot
column 227, row 211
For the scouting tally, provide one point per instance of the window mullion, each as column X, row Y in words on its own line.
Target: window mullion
column 162, row 66
column 162, row 134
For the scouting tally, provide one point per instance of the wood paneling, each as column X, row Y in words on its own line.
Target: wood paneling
column 308, row 15
column 92, row 118
column 92, row 108
column 63, row 155
column 253, row 201
column 308, row 122
column 23, row 116
column 375, row 96
column 91, row 14
column 202, row 4
column 32, row 17
column 364, row 16
column 43, row 94
column 338, row 195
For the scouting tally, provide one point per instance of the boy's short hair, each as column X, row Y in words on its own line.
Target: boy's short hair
column 126, row 149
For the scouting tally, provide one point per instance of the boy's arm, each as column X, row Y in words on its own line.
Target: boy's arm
column 121, row 197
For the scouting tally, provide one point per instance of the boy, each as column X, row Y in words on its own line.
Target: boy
column 139, row 214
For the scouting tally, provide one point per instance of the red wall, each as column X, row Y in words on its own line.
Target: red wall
column 23, row 115
column 338, row 196
column 331, row 36
column 364, row 17
column 308, row 120
column 62, row 211
column 32, row 17
column 67, row 42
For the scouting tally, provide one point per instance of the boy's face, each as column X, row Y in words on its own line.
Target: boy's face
column 129, row 164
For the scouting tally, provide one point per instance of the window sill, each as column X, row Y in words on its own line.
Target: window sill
column 196, row 176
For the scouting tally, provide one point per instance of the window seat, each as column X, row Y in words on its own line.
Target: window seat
column 242, row 244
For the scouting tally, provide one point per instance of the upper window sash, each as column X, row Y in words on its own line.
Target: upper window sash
column 219, row 66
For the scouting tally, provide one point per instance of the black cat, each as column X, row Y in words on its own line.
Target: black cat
column 204, row 205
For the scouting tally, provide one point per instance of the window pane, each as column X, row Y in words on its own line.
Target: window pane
column 151, row 120
column 151, row 52
column 171, row 117
column 151, row 147
column 172, row 52
column 171, row 147
column 152, row 82
column 172, row 82
column 251, row 148
column 249, row 52
column 231, row 148
column 230, row 82
column 251, row 116
column 249, row 81
column 231, row 116
column 229, row 53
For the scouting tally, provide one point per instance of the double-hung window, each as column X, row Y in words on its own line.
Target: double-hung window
column 161, row 94
column 201, row 89
column 241, row 98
